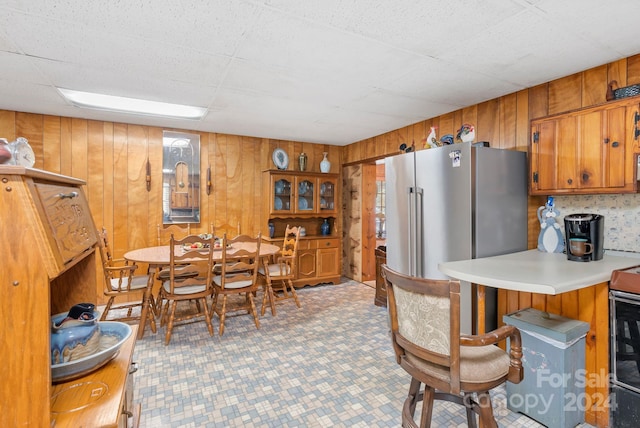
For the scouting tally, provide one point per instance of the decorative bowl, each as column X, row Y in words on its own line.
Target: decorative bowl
column 112, row 335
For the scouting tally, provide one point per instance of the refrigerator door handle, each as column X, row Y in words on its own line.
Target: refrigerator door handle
column 411, row 209
column 419, row 232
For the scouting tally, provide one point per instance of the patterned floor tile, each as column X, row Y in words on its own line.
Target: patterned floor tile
column 327, row 364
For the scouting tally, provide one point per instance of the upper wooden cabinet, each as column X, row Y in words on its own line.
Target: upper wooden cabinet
column 586, row 151
column 302, row 194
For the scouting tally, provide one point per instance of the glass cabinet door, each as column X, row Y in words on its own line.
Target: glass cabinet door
column 327, row 195
column 306, row 195
column 282, row 194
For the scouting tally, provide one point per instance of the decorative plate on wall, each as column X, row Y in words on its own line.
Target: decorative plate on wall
column 280, row 159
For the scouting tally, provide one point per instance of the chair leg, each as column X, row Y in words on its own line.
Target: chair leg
column 167, row 337
column 214, row 303
column 427, row 407
column 207, row 318
column 268, row 294
column 222, row 314
column 293, row 292
column 469, row 404
column 253, row 309
column 413, row 396
column 164, row 312
column 485, row 410
column 152, row 319
column 107, row 308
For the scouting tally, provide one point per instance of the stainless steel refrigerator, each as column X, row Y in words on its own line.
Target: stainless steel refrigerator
column 455, row 202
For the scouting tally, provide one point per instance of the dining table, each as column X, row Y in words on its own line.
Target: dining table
column 158, row 257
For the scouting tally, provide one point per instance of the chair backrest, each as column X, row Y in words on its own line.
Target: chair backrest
column 240, row 261
column 193, row 253
column 231, row 230
column 291, row 238
column 425, row 320
column 118, row 276
column 288, row 254
column 103, row 244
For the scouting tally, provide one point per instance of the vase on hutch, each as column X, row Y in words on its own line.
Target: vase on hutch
column 325, row 227
column 325, row 165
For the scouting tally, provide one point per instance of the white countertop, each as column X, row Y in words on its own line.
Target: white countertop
column 538, row 272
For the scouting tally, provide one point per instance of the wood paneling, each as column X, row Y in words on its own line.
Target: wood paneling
column 112, row 158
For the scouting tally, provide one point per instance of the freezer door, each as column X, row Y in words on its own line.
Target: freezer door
column 399, row 211
column 444, row 175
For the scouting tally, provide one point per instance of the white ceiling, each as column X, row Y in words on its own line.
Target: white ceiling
column 330, row 71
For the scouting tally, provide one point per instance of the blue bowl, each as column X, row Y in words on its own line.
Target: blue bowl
column 112, row 335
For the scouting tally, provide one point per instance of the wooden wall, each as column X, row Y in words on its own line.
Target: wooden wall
column 504, row 122
column 359, row 223
column 111, row 157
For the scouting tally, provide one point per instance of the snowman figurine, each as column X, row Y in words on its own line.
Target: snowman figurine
column 550, row 239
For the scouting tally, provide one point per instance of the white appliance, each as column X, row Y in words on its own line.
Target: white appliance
column 455, row 202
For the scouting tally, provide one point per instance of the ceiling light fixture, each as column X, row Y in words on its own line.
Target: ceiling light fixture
column 131, row 105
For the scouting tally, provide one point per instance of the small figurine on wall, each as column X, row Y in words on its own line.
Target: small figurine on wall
column 466, row 133
column 550, row 239
column 431, row 141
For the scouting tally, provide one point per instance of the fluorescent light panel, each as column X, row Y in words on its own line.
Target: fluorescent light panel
column 131, row 105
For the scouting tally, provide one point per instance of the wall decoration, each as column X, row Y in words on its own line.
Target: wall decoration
column 180, row 177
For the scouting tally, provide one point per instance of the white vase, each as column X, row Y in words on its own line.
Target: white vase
column 325, row 165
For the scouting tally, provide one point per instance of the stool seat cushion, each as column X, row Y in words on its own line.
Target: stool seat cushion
column 478, row 364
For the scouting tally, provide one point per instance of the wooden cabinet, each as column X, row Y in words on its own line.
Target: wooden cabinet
column 48, row 245
column 589, row 151
column 380, row 298
column 306, row 199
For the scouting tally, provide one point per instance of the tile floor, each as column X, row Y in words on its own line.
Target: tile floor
column 328, row 364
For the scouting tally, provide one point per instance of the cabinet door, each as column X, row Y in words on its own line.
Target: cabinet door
column 581, row 152
column 328, row 197
column 591, row 149
column 328, row 262
column 306, row 263
column 328, row 257
column 281, row 194
column 615, row 146
column 306, row 195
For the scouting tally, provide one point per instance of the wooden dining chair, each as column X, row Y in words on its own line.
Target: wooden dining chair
column 191, row 290
column 425, row 333
column 238, row 276
column 230, row 229
column 121, row 282
column 279, row 276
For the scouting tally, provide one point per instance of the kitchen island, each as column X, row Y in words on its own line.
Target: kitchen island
column 534, row 271
column 549, row 282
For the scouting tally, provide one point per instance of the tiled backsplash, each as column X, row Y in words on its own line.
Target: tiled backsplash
column 621, row 217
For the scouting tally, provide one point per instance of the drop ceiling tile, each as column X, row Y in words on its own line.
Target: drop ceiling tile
column 522, row 49
column 319, row 51
column 20, row 68
column 425, row 27
column 211, row 26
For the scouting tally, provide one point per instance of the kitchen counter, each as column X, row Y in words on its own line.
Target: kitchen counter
column 538, row 272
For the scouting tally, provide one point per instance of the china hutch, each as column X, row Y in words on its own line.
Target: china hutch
column 310, row 200
column 48, row 243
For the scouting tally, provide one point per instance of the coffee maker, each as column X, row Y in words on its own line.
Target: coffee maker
column 584, row 235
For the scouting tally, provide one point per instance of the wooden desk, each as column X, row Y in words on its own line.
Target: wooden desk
column 160, row 256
